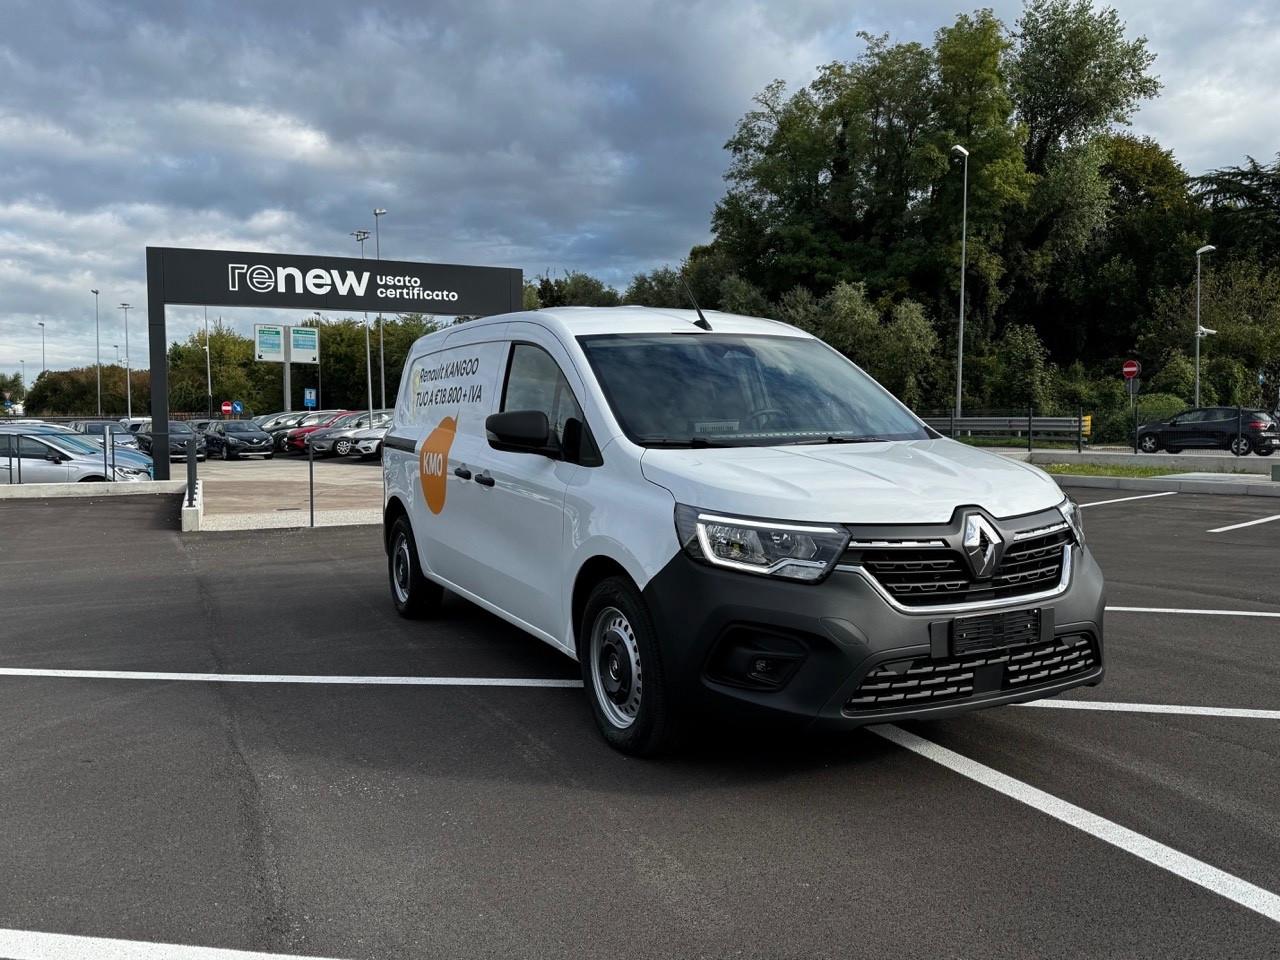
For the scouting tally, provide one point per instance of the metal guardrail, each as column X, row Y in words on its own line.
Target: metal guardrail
column 1012, row 426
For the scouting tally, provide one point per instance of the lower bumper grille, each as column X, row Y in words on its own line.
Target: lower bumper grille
column 905, row 683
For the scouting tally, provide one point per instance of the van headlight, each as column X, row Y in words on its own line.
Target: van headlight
column 793, row 551
column 1074, row 516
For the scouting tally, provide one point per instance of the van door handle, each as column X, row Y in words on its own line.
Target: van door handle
column 462, row 472
column 485, row 480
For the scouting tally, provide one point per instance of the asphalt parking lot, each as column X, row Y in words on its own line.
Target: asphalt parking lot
column 389, row 810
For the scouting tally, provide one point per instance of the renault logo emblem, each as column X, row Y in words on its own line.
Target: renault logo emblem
column 981, row 545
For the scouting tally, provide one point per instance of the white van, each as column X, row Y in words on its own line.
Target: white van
column 724, row 514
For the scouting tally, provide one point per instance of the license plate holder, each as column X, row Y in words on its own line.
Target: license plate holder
column 994, row 631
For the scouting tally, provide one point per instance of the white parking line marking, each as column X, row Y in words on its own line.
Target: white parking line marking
column 1205, row 613
column 1189, row 868
column 1247, row 523
column 291, row 678
column 1110, row 706
column 29, row 945
column 1145, row 496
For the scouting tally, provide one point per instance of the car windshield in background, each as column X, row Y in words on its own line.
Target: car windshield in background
column 740, row 390
column 242, row 426
column 177, row 426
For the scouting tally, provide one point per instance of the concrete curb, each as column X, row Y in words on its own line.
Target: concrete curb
column 192, row 515
column 1203, row 462
column 53, row 491
column 1227, row 488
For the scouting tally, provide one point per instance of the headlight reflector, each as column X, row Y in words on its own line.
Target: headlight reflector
column 793, row 551
column 1074, row 516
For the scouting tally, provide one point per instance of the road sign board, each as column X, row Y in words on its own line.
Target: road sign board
column 1131, row 369
column 226, row 408
column 1133, row 385
column 268, row 342
column 309, row 397
column 304, row 345
column 237, row 407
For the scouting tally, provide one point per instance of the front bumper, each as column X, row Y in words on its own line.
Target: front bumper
column 827, row 638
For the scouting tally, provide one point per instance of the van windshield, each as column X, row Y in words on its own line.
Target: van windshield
column 718, row 389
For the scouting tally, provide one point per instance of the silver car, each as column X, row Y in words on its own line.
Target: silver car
column 49, row 457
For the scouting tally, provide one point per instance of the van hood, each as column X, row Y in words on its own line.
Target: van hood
column 916, row 481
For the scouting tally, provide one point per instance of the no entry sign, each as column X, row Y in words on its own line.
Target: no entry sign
column 1131, row 369
column 226, row 408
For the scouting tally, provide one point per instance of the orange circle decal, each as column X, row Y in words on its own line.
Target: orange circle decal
column 433, row 461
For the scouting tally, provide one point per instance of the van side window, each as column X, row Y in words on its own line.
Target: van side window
column 534, row 382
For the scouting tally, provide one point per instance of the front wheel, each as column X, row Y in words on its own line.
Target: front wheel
column 622, row 670
column 1241, row 446
column 342, row 447
column 1149, row 443
column 413, row 594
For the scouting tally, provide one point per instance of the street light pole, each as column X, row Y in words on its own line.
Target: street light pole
column 361, row 236
column 43, row 365
column 964, row 237
column 378, row 213
column 22, row 377
column 208, row 367
column 319, row 362
column 128, row 386
column 97, row 348
column 1200, row 330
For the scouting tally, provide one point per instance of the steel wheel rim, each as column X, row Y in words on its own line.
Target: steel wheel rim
column 617, row 678
column 401, row 569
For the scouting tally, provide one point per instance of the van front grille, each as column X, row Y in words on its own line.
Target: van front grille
column 901, row 684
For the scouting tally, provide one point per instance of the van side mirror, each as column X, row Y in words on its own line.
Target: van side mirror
column 521, row 431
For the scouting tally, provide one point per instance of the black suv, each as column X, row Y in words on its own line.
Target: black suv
column 1213, row 428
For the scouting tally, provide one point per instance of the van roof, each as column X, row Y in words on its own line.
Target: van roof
column 571, row 322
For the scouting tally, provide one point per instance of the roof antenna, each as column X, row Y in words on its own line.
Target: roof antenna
column 701, row 321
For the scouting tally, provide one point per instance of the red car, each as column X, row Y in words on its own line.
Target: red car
column 295, row 441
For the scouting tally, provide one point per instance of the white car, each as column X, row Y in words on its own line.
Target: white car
column 722, row 514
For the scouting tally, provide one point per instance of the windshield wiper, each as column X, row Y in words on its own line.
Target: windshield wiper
column 837, row 438
column 685, row 442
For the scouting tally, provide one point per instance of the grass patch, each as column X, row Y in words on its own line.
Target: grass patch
column 1017, row 443
column 1108, row 470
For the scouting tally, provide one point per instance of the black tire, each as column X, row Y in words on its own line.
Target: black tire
column 414, row 596
column 1149, row 443
column 1240, row 446
column 1168, row 449
column 1265, row 451
column 268, row 456
column 622, row 670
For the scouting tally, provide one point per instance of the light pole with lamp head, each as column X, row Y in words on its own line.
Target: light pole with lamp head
column 208, row 368
column 97, row 348
column 378, row 214
column 128, row 386
column 964, row 232
column 1201, row 332
column 361, row 236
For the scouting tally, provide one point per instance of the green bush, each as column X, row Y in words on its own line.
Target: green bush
column 1116, row 424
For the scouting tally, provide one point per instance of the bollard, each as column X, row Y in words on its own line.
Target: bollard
column 1239, row 426
column 1080, row 430
column 191, row 472
column 106, row 442
column 311, row 479
column 18, row 441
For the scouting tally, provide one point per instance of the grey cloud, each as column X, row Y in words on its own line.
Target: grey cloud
column 540, row 135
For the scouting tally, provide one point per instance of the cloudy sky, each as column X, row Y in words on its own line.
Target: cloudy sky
column 543, row 135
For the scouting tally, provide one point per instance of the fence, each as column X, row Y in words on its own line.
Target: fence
column 1014, row 427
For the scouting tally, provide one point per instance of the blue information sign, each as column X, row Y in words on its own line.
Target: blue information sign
column 309, row 397
column 237, row 407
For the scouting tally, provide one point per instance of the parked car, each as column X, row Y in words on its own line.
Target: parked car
column 296, row 439
column 29, row 454
column 723, row 514
column 179, row 434
column 232, row 439
column 134, row 424
column 285, row 417
column 202, row 425
column 120, row 435
column 367, row 444
column 1213, row 428
column 280, row 432
column 337, row 440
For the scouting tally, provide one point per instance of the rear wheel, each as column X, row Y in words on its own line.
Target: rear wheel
column 342, row 447
column 1241, row 446
column 413, row 594
column 1265, row 451
column 622, row 670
